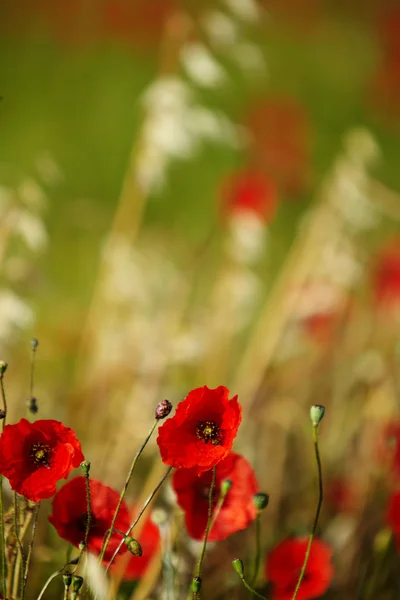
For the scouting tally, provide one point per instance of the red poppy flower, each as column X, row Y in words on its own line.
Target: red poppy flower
column 238, row 509
column 281, row 142
column 284, row 564
column 201, row 432
column 386, row 276
column 149, row 539
column 69, row 514
column 34, row 456
column 250, row 191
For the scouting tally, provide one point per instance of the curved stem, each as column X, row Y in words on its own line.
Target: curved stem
column 208, row 526
column 258, row 548
column 320, row 499
column 53, row 576
column 3, row 395
column 28, row 558
column 149, row 499
column 122, row 496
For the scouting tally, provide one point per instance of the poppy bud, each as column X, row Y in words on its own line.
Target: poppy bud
column 133, row 546
column 32, row 405
column 67, row 578
column 163, row 409
column 3, row 367
column 261, row 500
column 226, row 486
column 2, row 414
column 317, row 412
column 85, row 466
column 238, row 566
column 196, row 585
column 77, row 583
column 34, row 343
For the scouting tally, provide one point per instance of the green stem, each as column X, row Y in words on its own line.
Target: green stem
column 208, row 526
column 320, row 499
column 66, row 593
column 257, row 559
column 32, row 371
column 53, row 576
column 3, row 395
column 19, row 567
column 122, row 496
column 248, row 586
column 135, row 522
column 30, row 548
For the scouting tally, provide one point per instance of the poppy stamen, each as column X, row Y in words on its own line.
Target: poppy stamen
column 209, row 431
column 40, row 455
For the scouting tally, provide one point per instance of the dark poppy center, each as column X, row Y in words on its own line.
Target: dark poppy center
column 81, row 524
column 209, row 431
column 40, row 455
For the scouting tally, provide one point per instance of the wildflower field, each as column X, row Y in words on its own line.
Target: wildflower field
column 199, row 300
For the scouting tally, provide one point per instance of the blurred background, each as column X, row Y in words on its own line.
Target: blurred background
column 202, row 193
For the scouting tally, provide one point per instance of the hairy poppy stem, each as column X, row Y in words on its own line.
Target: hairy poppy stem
column 30, row 548
column 238, row 566
column 19, row 565
column 122, row 496
column 196, row 594
column 257, row 559
column 135, row 522
column 321, row 495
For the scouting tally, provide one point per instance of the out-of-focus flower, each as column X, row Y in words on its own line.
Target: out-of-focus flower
column 220, row 28
column 284, row 563
column 238, row 509
column 342, row 495
column 248, row 11
column 34, row 456
column 202, row 430
column 201, row 66
column 69, row 514
column 386, row 277
column 249, row 191
column 150, row 541
column 31, row 228
column 318, row 309
column 388, row 446
column 388, row 27
column 281, row 142
column 393, row 516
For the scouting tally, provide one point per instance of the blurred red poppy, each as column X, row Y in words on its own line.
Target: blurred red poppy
column 34, row 456
column 284, row 563
column 249, row 191
column 238, row 509
column 69, row 515
column 136, row 566
column 281, row 142
column 386, row 276
column 201, row 432
column 393, row 516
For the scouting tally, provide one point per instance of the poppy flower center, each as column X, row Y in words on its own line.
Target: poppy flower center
column 40, row 455
column 209, row 431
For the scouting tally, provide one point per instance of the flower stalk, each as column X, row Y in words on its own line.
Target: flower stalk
column 197, row 577
column 3, row 367
column 122, row 496
column 238, row 566
column 135, row 522
column 315, row 422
